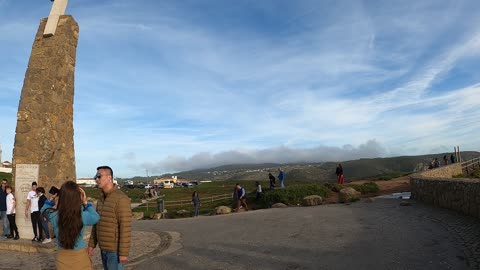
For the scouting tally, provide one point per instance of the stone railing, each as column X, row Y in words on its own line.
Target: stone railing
column 437, row 187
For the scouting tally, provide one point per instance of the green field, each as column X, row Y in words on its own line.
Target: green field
column 294, row 192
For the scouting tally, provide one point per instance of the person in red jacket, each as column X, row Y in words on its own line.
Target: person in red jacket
column 339, row 173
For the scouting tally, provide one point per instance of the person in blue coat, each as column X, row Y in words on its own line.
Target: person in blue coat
column 69, row 218
column 281, row 177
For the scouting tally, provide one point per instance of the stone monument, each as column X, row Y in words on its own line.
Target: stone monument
column 43, row 149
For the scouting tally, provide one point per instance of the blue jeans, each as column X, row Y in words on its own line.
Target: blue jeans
column 6, row 225
column 281, row 184
column 197, row 206
column 110, row 261
column 45, row 227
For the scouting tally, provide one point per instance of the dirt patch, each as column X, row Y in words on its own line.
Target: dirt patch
column 400, row 184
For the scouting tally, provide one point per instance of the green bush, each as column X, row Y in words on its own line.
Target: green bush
column 292, row 195
column 370, row 187
column 7, row 176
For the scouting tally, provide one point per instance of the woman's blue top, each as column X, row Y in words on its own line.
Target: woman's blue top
column 89, row 217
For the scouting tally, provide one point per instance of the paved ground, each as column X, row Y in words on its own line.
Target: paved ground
column 378, row 235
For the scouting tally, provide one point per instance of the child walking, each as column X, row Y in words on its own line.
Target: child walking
column 11, row 214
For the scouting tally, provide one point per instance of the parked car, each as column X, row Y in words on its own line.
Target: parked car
column 140, row 186
column 147, row 186
column 187, row 184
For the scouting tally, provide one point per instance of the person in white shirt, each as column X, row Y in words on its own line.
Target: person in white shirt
column 259, row 191
column 11, row 214
column 32, row 205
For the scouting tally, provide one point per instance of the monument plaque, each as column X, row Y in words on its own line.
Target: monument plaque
column 25, row 174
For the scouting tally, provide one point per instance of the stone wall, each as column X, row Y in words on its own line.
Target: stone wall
column 437, row 187
column 459, row 194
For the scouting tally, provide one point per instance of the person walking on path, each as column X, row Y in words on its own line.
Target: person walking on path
column 339, row 173
column 241, row 197
column 113, row 232
column 32, row 205
column 259, row 191
column 69, row 219
column 272, row 180
column 281, row 177
column 3, row 208
column 11, row 204
column 196, row 203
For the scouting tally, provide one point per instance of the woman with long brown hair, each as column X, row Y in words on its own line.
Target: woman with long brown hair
column 69, row 219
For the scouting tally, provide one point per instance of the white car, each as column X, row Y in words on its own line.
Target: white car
column 147, row 186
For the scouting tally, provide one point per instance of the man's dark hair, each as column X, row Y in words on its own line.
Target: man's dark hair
column 106, row 168
column 5, row 179
column 34, row 183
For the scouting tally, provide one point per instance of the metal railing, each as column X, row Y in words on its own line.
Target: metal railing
column 204, row 200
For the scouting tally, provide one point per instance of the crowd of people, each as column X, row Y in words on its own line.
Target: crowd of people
column 68, row 212
column 435, row 163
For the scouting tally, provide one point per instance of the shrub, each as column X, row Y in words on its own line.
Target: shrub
column 370, row 187
column 292, row 195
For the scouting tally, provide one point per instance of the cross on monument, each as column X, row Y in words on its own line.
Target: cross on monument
column 58, row 8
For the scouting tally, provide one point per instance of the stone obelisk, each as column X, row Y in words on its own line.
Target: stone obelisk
column 43, row 149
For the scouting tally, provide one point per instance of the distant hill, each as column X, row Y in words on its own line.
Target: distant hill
column 362, row 169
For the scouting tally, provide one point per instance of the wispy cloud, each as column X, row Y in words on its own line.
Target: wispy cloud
column 167, row 86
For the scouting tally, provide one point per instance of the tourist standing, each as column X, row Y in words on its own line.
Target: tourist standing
column 32, row 206
column 3, row 208
column 339, row 173
column 196, row 203
column 241, row 194
column 272, row 180
column 69, row 219
column 281, row 177
column 114, row 229
column 259, row 191
column 11, row 204
column 436, row 163
column 452, row 158
column 445, row 160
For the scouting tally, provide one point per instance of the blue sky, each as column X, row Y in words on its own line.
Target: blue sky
column 166, row 86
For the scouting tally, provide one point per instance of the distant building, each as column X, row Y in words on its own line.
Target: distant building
column 6, row 164
column 173, row 179
column 90, row 182
column 87, row 181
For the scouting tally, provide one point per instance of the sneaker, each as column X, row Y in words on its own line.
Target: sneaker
column 47, row 240
column 16, row 237
column 39, row 240
column 34, row 239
